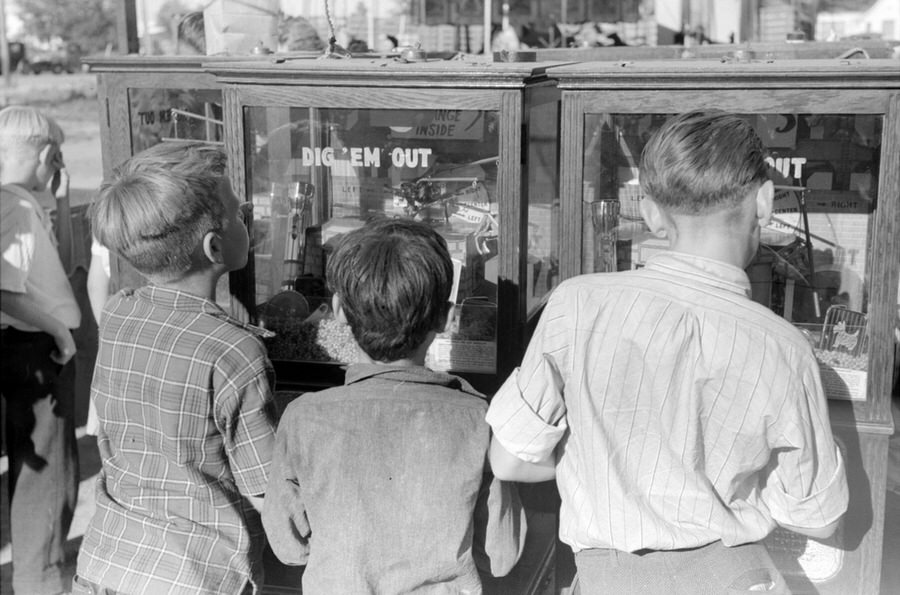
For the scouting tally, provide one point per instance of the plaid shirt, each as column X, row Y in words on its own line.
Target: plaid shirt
column 187, row 424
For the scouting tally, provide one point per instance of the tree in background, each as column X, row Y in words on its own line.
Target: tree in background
column 89, row 24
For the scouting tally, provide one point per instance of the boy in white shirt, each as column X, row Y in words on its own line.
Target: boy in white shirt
column 38, row 312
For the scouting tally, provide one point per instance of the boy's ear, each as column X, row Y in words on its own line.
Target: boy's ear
column 653, row 216
column 338, row 308
column 765, row 198
column 47, row 154
column 212, row 247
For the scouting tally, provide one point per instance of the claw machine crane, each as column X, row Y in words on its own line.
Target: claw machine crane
column 828, row 262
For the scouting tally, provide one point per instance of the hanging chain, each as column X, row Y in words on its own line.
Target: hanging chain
column 333, row 50
column 333, row 39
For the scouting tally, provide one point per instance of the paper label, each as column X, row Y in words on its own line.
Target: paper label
column 463, row 356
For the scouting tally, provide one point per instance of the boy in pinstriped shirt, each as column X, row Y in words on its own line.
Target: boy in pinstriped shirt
column 681, row 420
column 182, row 389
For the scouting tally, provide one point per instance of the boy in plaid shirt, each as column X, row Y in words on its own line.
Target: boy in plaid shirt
column 183, row 390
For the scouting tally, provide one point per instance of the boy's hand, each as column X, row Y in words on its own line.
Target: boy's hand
column 59, row 186
column 65, row 348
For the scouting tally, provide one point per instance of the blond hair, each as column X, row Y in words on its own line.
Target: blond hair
column 23, row 127
column 159, row 205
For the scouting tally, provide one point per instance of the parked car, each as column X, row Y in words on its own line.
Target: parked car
column 16, row 55
column 56, row 62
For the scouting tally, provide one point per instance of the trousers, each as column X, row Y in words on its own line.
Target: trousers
column 713, row 569
column 39, row 430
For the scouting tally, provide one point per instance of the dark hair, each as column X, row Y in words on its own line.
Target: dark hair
column 393, row 277
column 297, row 34
column 159, row 204
column 702, row 162
column 191, row 33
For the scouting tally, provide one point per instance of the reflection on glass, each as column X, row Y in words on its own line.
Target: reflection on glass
column 812, row 262
column 542, row 170
column 161, row 115
column 315, row 174
column 605, row 219
column 172, row 115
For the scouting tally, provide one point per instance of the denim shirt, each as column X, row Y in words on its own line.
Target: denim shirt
column 380, row 486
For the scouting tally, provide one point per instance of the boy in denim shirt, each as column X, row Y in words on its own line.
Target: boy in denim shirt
column 380, row 485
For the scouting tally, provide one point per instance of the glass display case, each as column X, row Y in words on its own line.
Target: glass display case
column 146, row 100
column 469, row 147
column 828, row 262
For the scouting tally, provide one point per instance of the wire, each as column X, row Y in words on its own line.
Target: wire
column 333, row 39
column 333, row 50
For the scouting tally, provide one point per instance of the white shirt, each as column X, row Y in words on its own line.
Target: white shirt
column 101, row 252
column 683, row 412
column 31, row 263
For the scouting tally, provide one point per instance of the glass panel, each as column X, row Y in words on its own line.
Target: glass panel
column 176, row 115
column 173, row 115
column 317, row 173
column 812, row 262
column 542, row 273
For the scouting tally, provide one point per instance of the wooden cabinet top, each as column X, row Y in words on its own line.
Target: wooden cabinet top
column 471, row 72
column 756, row 74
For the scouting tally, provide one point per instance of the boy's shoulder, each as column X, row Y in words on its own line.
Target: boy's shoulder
column 783, row 331
column 15, row 200
column 190, row 314
column 367, row 382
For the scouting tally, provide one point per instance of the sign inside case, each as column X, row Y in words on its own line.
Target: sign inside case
column 469, row 342
column 446, row 124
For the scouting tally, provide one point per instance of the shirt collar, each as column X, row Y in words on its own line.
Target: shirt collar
column 182, row 301
column 708, row 271
column 410, row 374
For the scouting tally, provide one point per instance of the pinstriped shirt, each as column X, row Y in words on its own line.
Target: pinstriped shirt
column 187, row 425
column 683, row 412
